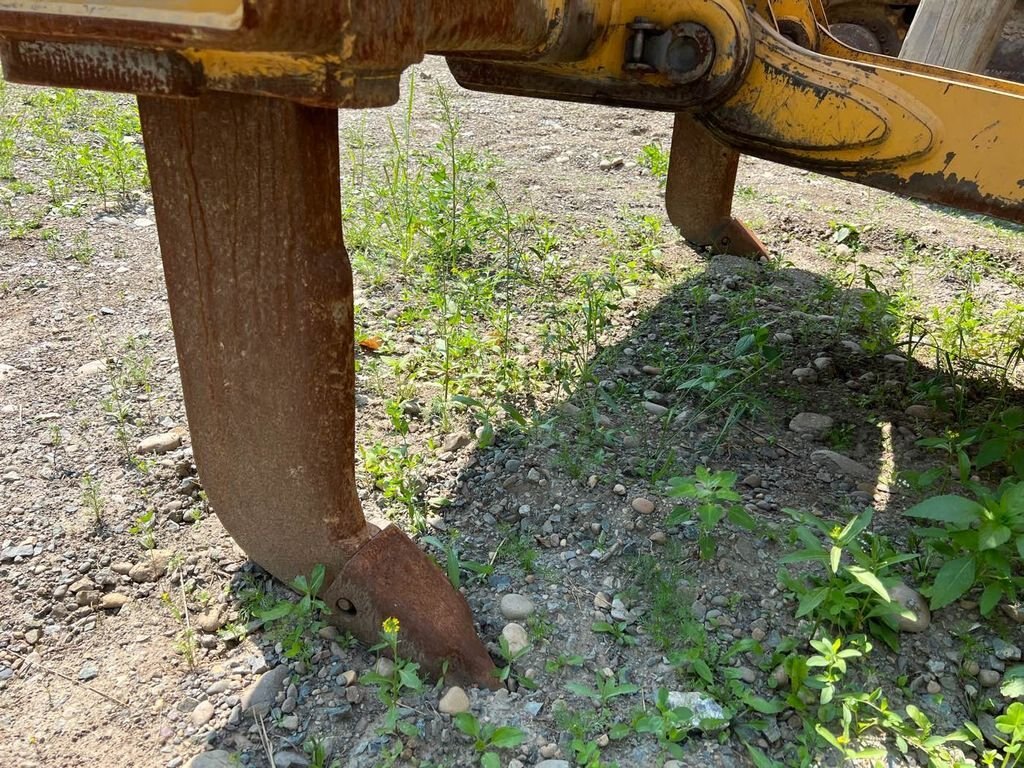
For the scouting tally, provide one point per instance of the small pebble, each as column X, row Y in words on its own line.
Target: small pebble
column 654, row 409
column 453, row 701
column 514, row 606
column 642, row 505
column 516, row 637
column 988, row 678
column 202, row 713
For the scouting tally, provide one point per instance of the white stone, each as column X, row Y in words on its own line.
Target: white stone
column 515, row 635
column 162, row 443
column 202, row 713
column 453, row 701
column 701, row 705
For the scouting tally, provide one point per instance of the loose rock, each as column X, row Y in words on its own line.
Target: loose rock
column 288, row 758
column 202, row 713
column 807, row 423
column 218, row 758
column 454, row 443
column 989, row 678
column 152, row 567
column 780, row 676
column 752, row 480
column 923, row 412
column 642, row 505
column 701, row 705
column 805, row 375
column 517, row 638
column 1006, row 651
column 1014, row 612
column 514, row 606
column 88, row 671
column 11, row 553
column 209, row 621
column 654, row 408
column 113, row 601
column 261, row 694
column 844, row 464
column 90, row 369
column 454, row 701
column 913, row 602
column 162, row 443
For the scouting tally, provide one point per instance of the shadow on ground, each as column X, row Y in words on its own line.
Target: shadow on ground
column 717, row 373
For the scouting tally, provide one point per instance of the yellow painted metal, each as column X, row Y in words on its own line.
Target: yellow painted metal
column 208, row 14
column 830, row 46
column 904, row 128
column 605, row 57
column 802, row 104
column 221, row 67
column 917, row 130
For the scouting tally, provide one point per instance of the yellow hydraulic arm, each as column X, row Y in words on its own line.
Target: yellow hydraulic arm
column 920, row 131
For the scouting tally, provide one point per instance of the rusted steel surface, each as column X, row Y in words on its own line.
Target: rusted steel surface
column 391, row 576
column 698, row 196
column 99, row 66
column 318, row 52
column 247, row 199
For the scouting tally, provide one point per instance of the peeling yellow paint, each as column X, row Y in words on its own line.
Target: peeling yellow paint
column 225, row 65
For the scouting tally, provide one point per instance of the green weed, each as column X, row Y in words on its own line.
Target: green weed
column 144, row 529
column 296, row 623
column 716, row 500
column 92, row 498
column 850, row 591
column 488, row 737
column 404, row 677
column 453, row 564
column 654, row 158
column 980, row 541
